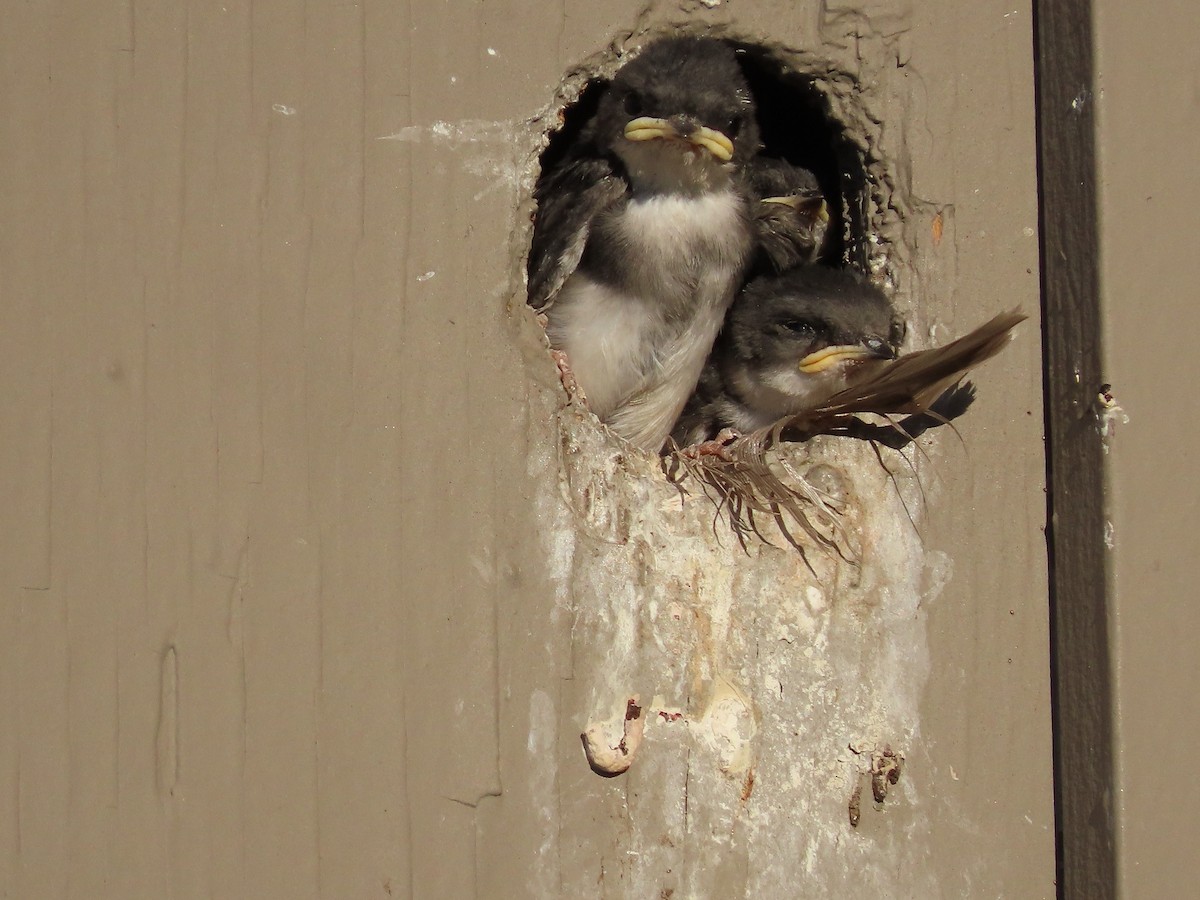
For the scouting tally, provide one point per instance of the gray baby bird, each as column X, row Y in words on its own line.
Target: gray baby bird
column 791, row 217
column 643, row 234
column 790, row 341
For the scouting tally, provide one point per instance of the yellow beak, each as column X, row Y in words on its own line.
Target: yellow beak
column 648, row 128
column 827, row 357
column 797, row 200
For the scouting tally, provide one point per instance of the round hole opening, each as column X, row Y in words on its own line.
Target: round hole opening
column 796, row 125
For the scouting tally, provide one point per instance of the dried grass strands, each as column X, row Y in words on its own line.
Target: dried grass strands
column 739, row 478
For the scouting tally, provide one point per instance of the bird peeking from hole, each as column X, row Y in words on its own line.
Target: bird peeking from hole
column 790, row 341
column 643, row 233
column 791, row 217
column 663, row 209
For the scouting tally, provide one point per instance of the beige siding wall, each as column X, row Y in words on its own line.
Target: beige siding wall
column 1149, row 123
column 292, row 602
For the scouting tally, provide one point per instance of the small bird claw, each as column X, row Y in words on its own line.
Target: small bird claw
column 718, row 446
column 567, row 377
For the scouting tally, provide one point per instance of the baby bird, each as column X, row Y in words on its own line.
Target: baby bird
column 643, row 233
column 791, row 217
column 790, row 341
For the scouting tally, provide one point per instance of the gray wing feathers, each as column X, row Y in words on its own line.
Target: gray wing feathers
column 568, row 201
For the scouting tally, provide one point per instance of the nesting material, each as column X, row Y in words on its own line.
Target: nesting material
column 751, row 482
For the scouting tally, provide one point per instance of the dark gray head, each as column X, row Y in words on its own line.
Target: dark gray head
column 806, row 311
column 770, row 177
column 682, row 98
column 790, row 213
column 793, row 339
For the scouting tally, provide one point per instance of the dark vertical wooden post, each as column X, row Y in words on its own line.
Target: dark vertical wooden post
column 1082, row 684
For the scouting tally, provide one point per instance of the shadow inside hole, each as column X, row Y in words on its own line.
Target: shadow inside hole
column 575, row 119
column 796, row 125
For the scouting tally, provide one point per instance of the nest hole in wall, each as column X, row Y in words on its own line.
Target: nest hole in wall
column 797, row 124
column 812, row 115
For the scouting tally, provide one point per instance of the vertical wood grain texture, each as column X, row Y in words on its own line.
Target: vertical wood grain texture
column 1073, row 340
column 293, row 599
column 1149, row 121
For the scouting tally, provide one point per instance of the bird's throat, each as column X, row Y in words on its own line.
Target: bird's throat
column 672, row 166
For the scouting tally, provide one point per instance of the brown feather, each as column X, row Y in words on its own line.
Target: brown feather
column 910, row 384
column 737, row 476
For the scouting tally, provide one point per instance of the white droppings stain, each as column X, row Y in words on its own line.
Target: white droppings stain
column 426, row 276
column 1110, row 540
column 728, row 728
column 810, row 858
column 454, row 79
column 283, row 110
column 816, row 599
column 490, row 150
column 1109, row 416
column 543, row 758
column 665, row 610
column 542, row 725
column 938, row 334
column 557, row 535
column 491, row 51
column 464, row 131
column 939, row 569
column 1028, row 231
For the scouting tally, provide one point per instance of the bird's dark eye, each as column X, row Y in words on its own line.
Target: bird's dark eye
column 798, row 327
column 734, row 126
column 633, row 103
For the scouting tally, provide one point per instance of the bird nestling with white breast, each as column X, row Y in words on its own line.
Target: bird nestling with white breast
column 643, row 233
